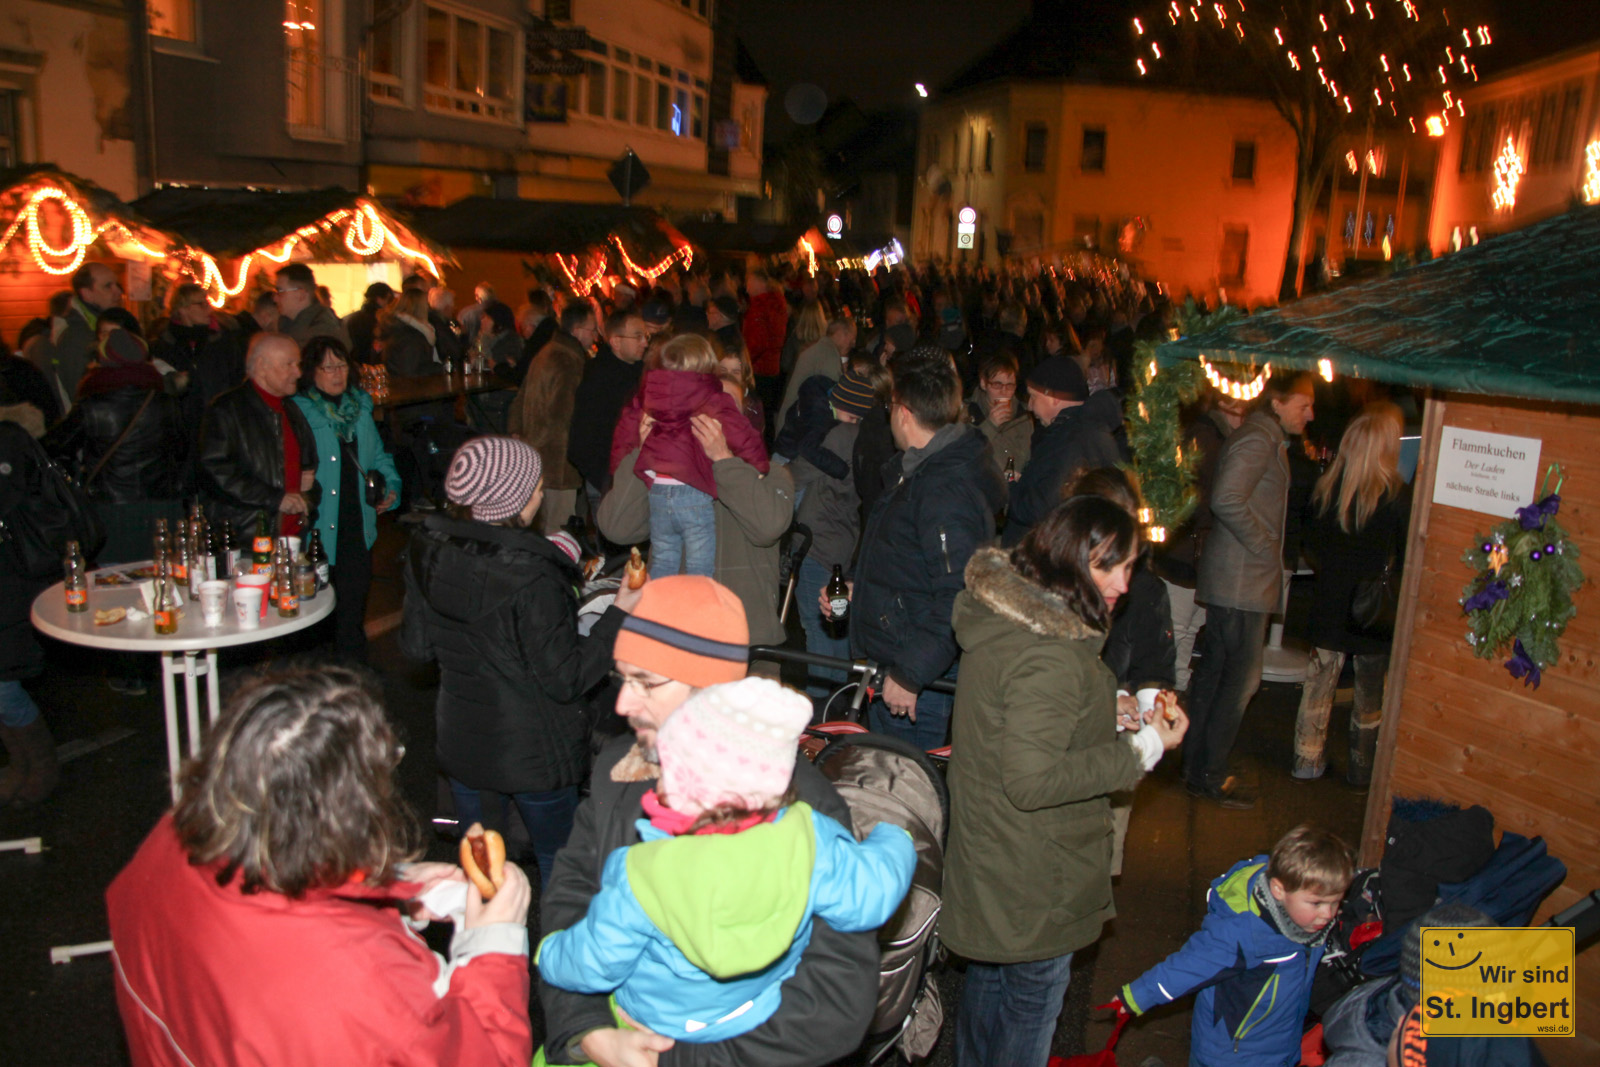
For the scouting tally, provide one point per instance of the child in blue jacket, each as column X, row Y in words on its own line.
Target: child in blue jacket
column 1255, row 954
column 697, row 926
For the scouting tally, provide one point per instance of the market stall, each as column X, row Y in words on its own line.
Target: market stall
column 1494, row 691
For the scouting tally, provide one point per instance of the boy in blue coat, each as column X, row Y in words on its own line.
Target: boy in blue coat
column 1255, row 954
column 697, row 926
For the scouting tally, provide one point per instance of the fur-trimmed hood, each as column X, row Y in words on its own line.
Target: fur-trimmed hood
column 996, row 585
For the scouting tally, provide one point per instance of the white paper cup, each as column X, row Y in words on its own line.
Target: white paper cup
column 248, row 603
column 213, row 601
column 260, row 582
column 294, row 547
column 1146, row 698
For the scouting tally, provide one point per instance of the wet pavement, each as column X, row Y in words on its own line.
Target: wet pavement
column 113, row 790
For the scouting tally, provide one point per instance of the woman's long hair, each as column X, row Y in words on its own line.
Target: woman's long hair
column 810, row 323
column 1062, row 549
column 409, row 302
column 1366, row 471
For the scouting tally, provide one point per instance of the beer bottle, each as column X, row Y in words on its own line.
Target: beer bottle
column 77, row 582
column 305, row 577
column 284, row 592
column 197, row 560
column 166, row 606
column 261, row 548
column 838, row 603
column 318, row 558
column 179, row 558
column 158, row 547
column 1011, row 469
column 229, row 559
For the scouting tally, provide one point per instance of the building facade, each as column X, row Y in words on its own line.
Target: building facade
column 1196, row 191
column 1527, row 148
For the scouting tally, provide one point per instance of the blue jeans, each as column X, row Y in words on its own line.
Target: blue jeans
column 808, row 585
column 1231, row 651
column 932, row 728
column 683, row 531
column 1009, row 1010
column 547, row 815
column 17, row 708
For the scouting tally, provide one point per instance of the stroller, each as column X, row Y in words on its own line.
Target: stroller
column 885, row 779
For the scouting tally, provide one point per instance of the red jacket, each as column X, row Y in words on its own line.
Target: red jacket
column 209, row 975
column 672, row 451
column 766, row 325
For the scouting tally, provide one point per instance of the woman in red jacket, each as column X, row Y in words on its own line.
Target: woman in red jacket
column 269, row 917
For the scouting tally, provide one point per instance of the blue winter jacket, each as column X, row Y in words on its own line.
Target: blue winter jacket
column 370, row 454
column 1255, row 983
column 695, row 934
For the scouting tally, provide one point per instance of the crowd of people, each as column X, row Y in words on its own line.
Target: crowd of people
column 952, row 441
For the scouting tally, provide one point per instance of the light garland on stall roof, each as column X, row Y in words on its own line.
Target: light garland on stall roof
column 580, row 286
column 1591, row 179
column 84, row 233
column 682, row 252
column 1238, row 390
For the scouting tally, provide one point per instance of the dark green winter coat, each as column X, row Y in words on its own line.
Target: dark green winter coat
column 1035, row 751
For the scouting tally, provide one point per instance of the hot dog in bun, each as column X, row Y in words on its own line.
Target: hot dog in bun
column 483, row 858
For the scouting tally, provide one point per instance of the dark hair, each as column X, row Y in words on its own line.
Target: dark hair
column 575, row 314
column 315, row 353
column 1076, row 535
column 731, row 813
column 504, row 321
column 1280, row 387
column 463, row 513
column 539, row 300
column 299, row 274
column 618, row 321
column 186, row 294
column 60, row 302
column 1112, row 483
column 121, row 316
column 263, row 298
column 295, row 788
column 926, row 385
column 996, row 362
column 83, row 277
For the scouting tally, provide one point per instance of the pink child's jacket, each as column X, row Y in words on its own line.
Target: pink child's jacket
column 672, row 397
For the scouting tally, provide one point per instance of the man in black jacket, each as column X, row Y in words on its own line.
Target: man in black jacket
column 252, row 438
column 937, row 509
column 828, row 1002
column 198, row 344
column 1071, row 438
column 609, row 382
column 362, row 323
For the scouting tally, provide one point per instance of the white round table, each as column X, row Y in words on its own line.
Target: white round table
column 51, row 617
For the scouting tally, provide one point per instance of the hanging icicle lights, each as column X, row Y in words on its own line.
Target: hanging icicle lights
column 83, row 234
column 1329, row 39
column 1237, row 390
column 1507, row 175
column 1591, row 173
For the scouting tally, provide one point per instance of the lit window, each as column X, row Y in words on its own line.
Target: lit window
column 469, row 67
column 171, row 19
column 385, row 75
column 306, row 74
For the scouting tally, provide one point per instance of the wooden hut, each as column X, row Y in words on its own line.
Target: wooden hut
column 1503, row 339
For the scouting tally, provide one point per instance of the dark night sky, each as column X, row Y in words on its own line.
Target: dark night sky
column 874, row 50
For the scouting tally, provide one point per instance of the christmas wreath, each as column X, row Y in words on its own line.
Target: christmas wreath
column 1521, row 597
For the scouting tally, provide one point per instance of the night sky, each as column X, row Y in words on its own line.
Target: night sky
column 875, row 50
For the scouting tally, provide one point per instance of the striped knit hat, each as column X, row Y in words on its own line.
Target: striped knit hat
column 494, row 476
column 714, row 648
column 853, row 394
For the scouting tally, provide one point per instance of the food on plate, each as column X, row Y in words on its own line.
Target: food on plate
column 483, row 858
column 110, row 616
column 112, row 578
column 637, row 573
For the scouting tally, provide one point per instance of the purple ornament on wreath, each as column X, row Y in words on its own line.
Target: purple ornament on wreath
column 1532, row 517
column 1522, row 666
column 1486, row 597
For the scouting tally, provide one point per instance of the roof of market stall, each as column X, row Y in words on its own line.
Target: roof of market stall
column 1515, row 315
column 543, row 226
column 30, row 195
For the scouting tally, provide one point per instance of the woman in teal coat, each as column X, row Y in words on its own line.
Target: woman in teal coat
column 348, row 450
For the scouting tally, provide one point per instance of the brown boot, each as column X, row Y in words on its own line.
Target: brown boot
column 43, row 774
column 16, row 771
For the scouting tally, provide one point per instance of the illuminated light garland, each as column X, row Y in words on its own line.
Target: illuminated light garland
column 366, row 232
column 682, row 252
column 1591, row 179
column 1237, row 390
column 84, row 233
column 811, row 256
column 580, row 286
column 1507, row 173
column 1325, row 366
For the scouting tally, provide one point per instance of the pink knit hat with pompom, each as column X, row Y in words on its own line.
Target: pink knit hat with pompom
column 733, row 743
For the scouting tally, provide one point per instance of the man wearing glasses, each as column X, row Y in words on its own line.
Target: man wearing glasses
column 303, row 316
column 685, row 633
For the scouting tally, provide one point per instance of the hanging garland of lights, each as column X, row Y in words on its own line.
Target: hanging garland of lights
column 1521, row 598
column 1236, row 389
column 682, row 253
column 1507, row 175
column 84, row 233
column 580, row 286
column 1591, row 174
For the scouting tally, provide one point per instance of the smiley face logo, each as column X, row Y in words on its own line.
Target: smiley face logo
column 1447, row 944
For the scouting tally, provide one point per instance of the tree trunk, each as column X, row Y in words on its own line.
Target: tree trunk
column 1310, row 172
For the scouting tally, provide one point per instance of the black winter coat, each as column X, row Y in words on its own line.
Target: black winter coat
column 1079, row 439
column 608, row 384
column 913, row 558
column 362, row 325
column 213, row 358
column 870, row 460
column 1139, row 649
column 1343, row 559
column 826, row 1004
column 20, row 654
column 239, row 468
column 408, row 352
column 496, row 608
column 147, row 465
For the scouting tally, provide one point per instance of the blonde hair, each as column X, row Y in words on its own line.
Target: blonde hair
column 810, row 323
column 1367, row 470
column 690, row 352
column 1308, row 857
column 406, row 302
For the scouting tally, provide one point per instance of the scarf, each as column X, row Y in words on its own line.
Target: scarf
column 677, row 823
column 341, row 411
column 1276, row 914
column 289, row 525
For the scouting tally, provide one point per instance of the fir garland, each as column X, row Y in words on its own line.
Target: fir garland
column 1521, row 597
column 1153, row 417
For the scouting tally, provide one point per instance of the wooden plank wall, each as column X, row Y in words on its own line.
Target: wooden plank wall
column 1461, row 728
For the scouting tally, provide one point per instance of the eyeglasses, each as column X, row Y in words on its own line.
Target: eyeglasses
column 289, row 289
column 638, row 685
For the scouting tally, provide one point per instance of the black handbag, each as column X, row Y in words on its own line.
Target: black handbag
column 52, row 510
column 1374, row 603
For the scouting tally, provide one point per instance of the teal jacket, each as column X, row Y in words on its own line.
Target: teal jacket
column 696, row 934
column 370, row 454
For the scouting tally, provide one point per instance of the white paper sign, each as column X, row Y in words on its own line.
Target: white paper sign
column 1494, row 473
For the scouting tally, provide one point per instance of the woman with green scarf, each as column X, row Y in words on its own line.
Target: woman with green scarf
column 348, row 450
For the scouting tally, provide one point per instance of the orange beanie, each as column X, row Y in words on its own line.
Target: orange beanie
column 687, row 628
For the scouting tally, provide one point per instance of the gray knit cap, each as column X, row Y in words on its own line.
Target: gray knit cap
column 1447, row 914
column 494, row 476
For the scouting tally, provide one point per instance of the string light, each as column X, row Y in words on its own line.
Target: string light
column 811, row 256
column 1435, row 126
column 1140, row 64
column 1237, row 390
column 1591, row 180
column 83, row 233
column 681, row 252
column 1507, row 173
column 581, row 286
column 1325, row 366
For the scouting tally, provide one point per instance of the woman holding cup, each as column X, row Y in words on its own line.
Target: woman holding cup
column 358, row 479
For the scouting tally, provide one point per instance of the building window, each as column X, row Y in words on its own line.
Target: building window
column 385, row 71
column 598, row 74
column 988, row 151
column 470, row 67
column 1035, row 137
column 10, row 134
column 1244, row 161
column 1235, row 255
column 1543, row 150
column 172, row 20
column 1566, row 133
column 1093, row 157
column 558, row 10
column 621, row 80
column 306, row 73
